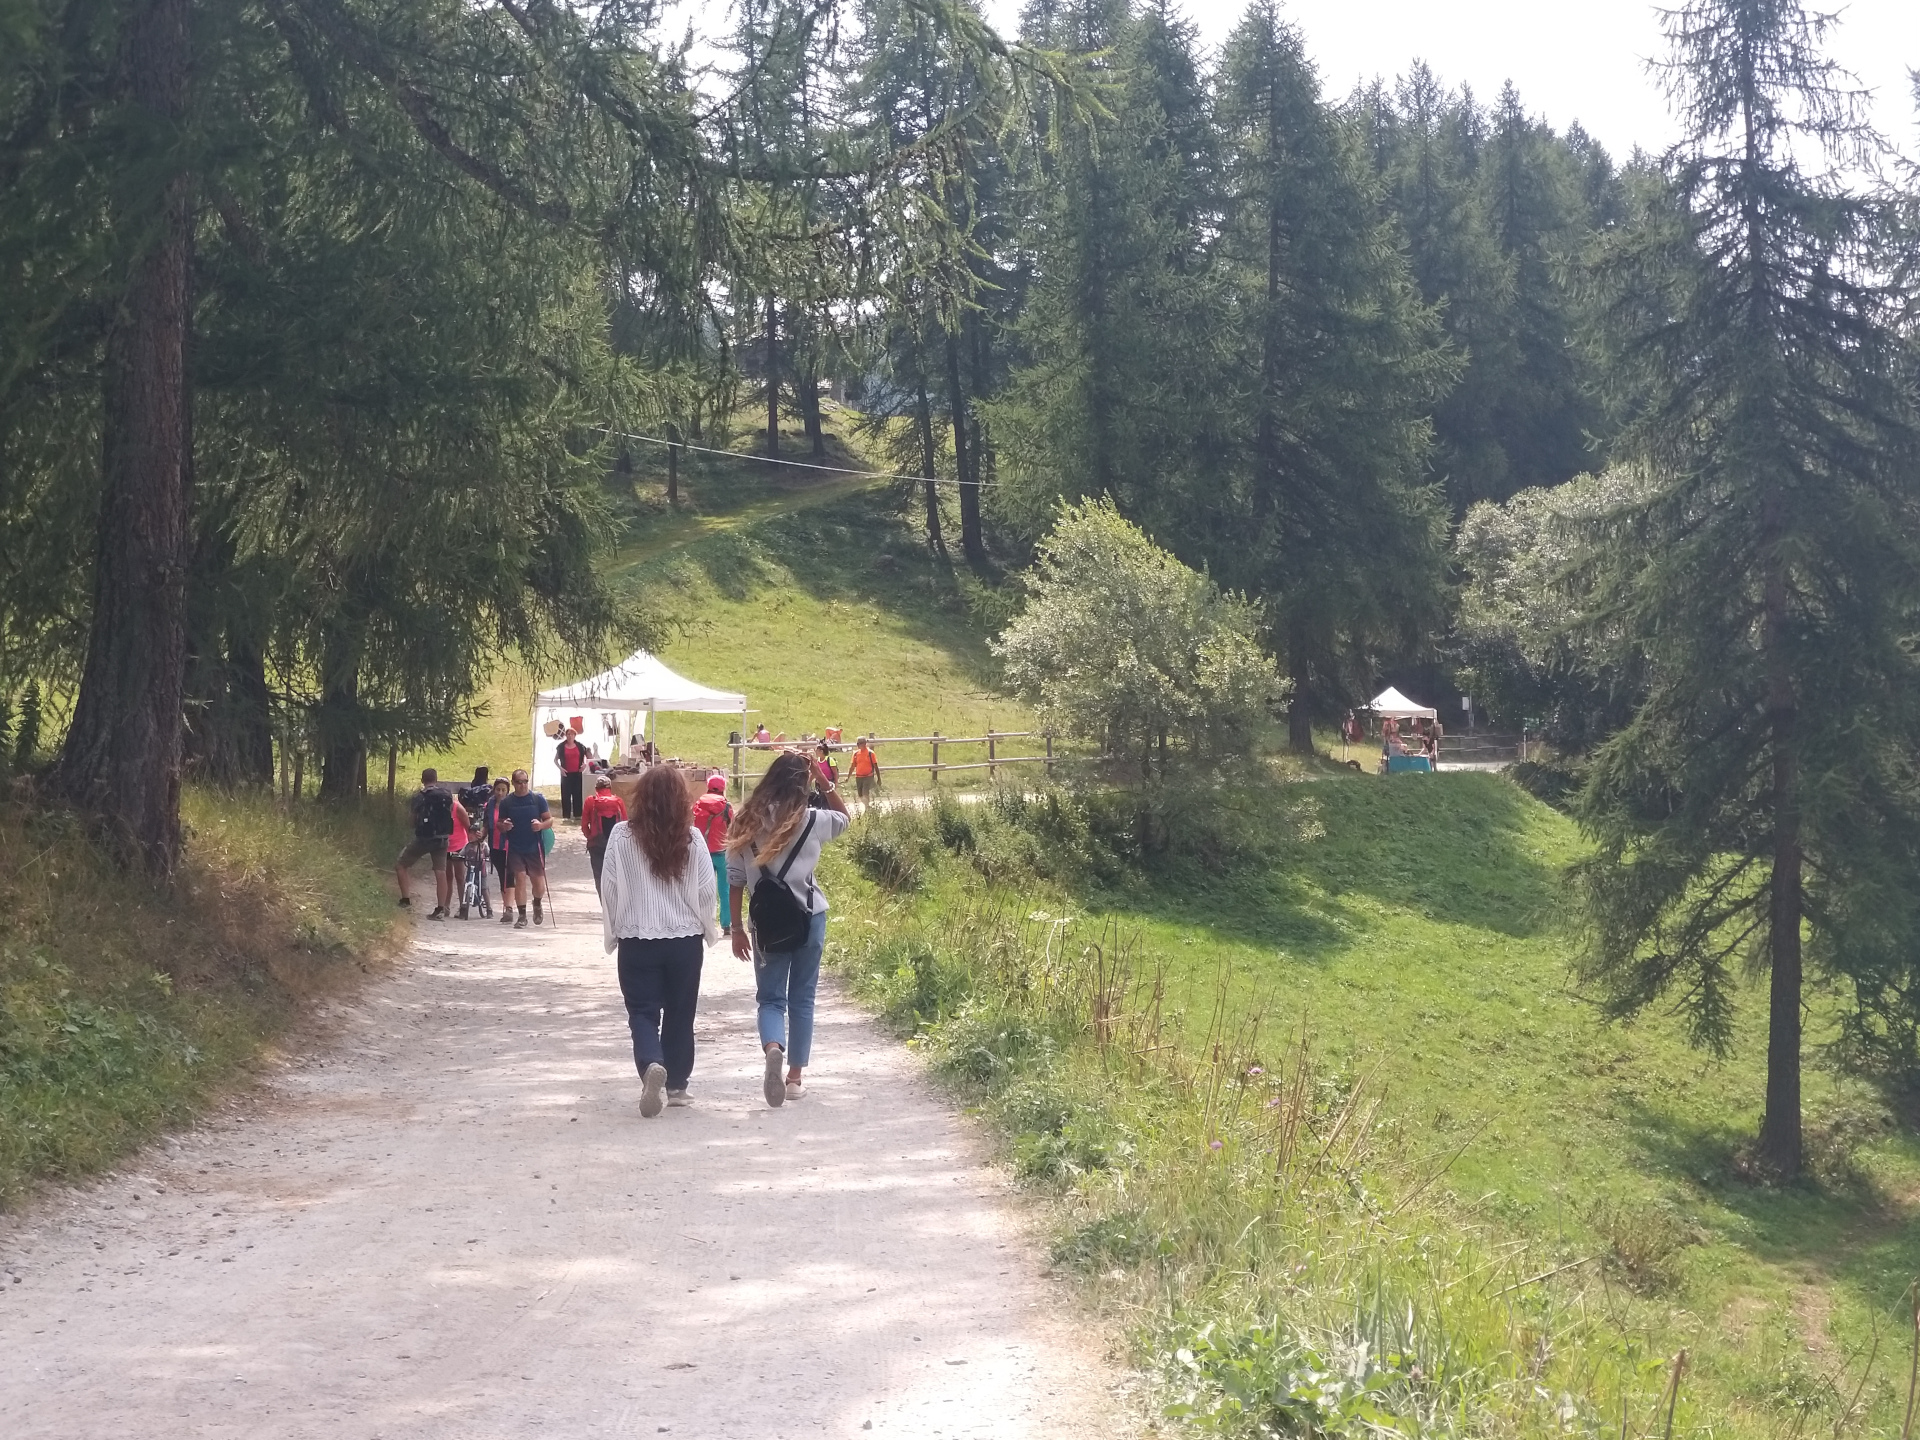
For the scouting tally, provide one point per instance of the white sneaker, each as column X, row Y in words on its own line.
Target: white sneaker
column 774, row 1085
column 795, row 1090
column 652, row 1095
column 677, row 1098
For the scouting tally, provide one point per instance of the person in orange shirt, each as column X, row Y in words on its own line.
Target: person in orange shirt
column 865, row 766
column 602, row 811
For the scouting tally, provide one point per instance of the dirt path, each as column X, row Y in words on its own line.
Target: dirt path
column 453, row 1222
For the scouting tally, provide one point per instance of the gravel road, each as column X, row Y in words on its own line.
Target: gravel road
column 449, row 1219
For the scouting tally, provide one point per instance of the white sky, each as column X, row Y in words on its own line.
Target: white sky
column 1571, row 59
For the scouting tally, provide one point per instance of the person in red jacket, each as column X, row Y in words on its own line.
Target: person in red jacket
column 597, row 819
column 711, row 816
column 571, row 756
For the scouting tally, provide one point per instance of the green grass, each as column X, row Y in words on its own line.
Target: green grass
column 122, row 1010
column 824, row 613
column 1410, row 931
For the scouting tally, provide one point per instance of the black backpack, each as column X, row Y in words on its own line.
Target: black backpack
column 780, row 921
column 435, row 815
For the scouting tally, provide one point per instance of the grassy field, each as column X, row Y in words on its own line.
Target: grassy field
column 122, row 1010
column 1383, row 961
column 820, row 604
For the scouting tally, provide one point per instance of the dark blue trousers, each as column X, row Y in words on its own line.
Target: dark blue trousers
column 660, row 980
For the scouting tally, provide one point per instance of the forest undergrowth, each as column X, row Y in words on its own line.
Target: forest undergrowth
column 1304, row 1231
column 125, row 1010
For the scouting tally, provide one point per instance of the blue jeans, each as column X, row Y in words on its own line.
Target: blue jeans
column 785, row 982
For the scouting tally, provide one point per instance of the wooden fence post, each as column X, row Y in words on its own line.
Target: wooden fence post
column 393, row 767
column 934, row 769
column 993, row 771
column 1049, row 754
column 739, row 781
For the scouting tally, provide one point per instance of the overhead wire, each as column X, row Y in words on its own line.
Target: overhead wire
column 795, row 464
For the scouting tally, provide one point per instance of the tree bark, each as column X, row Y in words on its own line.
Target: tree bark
column 337, row 718
column 1780, row 1150
column 923, row 416
column 121, row 758
column 971, row 544
column 773, row 376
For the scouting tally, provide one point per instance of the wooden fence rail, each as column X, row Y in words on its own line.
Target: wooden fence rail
column 934, row 765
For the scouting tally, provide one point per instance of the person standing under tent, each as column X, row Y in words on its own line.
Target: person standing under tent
column 657, row 901
column 523, row 815
column 571, row 756
column 711, row 817
column 772, row 853
column 598, row 816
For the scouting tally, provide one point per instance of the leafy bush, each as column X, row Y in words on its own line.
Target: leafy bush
column 887, row 854
column 1123, row 646
column 1644, row 1243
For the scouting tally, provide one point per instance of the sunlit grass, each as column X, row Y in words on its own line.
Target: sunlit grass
column 1400, row 945
column 122, row 1010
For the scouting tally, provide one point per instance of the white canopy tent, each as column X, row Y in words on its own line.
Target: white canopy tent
column 618, row 703
column 1391, row 702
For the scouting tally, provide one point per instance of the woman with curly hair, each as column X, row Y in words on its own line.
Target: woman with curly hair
column 778, row 834
column 657, row 900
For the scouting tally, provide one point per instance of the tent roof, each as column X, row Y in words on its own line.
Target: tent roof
column 1391, row 702
column 641, row 682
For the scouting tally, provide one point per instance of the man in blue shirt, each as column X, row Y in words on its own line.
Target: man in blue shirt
column 523, row 815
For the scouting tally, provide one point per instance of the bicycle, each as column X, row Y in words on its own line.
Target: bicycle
column 473, row 895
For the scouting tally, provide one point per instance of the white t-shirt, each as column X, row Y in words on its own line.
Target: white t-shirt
column 827, row 825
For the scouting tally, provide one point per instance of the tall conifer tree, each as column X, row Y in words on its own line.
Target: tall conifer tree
column 1764, row 564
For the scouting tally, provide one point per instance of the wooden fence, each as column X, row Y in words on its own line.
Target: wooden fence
column 934, row 766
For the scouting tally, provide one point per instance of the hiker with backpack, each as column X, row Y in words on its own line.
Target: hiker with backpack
column 711, row 817
column 771, row 855
column 602, row 811
column 434, row 812
column 656, row 902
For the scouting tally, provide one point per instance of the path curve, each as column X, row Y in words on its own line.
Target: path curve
column 451, row 1221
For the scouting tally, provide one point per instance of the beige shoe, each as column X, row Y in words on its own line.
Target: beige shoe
column 653, row 1094
column 678, row 1098
column 795, row 1090
column 774, row 1085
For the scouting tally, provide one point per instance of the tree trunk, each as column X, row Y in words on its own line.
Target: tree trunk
column 923, row 415
column 1300, row 709
column 337, row 720
column 121, row 757
column 970, row 543
column 806, row 394
column 978, row 456
column 773, row 377
column 1780, row 1139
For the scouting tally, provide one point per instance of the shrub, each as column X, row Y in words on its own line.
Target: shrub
column 1121, row 645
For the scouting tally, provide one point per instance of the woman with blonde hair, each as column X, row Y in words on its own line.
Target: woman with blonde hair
column 772, row 851
column 657, row 901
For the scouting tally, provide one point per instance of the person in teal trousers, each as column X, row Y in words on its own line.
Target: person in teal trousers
column 711, row 816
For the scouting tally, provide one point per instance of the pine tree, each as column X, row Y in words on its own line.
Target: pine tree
column 1765, row 565
column 1332, row 522
column 1115, row 388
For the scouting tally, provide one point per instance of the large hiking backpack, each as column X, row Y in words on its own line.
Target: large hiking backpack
column 435, row 820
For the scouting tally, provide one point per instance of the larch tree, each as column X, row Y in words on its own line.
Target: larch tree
column 1764, row 570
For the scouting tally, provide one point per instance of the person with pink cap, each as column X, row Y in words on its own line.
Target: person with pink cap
column 711, row 816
